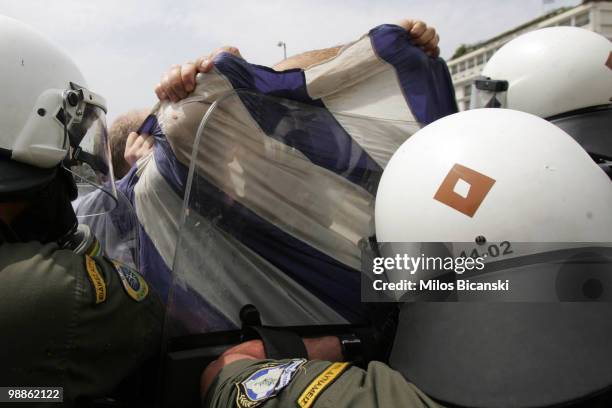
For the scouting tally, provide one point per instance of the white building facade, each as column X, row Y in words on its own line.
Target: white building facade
column 594, row 15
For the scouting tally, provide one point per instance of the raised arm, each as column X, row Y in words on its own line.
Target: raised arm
column 179, row 81
column 421, row 35
column 307, row 58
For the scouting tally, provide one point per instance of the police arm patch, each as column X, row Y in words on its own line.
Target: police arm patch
column 133, row 283
column 266, row 383
column 95, row 277
column 319, row 384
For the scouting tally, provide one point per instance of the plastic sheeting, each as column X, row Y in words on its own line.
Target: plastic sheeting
column 278, row 202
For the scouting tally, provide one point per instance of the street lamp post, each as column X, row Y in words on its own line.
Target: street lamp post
column 284, row 45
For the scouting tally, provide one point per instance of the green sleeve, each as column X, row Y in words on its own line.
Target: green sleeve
column 62, row 326
column 379, row 386
column 321, row 384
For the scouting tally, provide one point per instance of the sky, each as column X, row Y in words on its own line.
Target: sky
column 123, row 46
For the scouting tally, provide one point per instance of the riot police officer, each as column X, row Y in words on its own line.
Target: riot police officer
column 70, row 316
column 516, row 348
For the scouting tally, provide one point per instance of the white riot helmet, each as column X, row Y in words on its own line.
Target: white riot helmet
column 49, row 119
column 550, row 71
column 563, row 74
column 488, row 176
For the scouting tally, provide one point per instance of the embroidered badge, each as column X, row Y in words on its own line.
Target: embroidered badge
column 319, row 384
column 96, row 279
column 266, row 383
column 133, row 283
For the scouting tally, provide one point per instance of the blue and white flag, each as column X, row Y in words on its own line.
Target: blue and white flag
column 282, row 181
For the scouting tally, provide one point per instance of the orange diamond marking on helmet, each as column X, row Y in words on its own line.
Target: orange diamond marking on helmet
column 609, row 61
column 479, row 185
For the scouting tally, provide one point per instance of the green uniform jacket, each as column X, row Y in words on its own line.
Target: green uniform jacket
column 69, row 320
column 317, row 384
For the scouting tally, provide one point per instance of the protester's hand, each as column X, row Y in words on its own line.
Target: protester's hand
column 215, row 367
column 423, row 36
column 253, row 348
column 318, row 348
column 137, row 146
column 325, row 348
column 250, row 350
column 180, row 80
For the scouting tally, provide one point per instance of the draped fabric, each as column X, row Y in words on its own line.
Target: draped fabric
column 272, row 204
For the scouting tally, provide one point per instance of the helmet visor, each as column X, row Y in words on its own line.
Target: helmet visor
column 84, row 118
column 488, row 93
column 590, row 127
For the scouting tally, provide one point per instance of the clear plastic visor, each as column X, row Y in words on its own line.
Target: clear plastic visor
column 488, row 93
column 89, row 158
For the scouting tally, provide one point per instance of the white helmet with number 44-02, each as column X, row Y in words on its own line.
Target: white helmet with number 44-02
column 471, row 181
column 500, row 173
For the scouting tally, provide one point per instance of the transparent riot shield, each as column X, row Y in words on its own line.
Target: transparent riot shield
column 279, row 199
column 114, row 232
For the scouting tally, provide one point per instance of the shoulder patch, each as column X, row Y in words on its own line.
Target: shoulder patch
column 266, row 383
column 95, row 277
column 319, row 384
column 133, row 283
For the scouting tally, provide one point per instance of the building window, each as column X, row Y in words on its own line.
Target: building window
column 462, row 66
column 480, row 59
column 582, row 19
column 470, row 63
column 490, row 54
column 453, row 69
column 467, row 90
